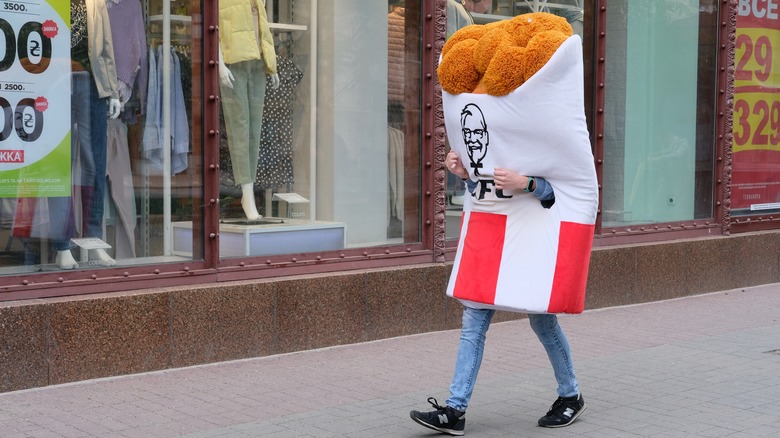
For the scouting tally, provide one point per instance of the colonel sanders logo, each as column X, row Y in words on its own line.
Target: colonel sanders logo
column 475, row 135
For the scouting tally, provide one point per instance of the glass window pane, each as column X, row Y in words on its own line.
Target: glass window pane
column 329, row 159
column 169, row 173
column 660, row 111
column 100, row 165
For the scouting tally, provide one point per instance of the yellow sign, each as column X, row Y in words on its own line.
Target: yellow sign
column 757, row 90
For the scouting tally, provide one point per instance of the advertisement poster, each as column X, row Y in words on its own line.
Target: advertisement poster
column 755, row 183
column 35, row 158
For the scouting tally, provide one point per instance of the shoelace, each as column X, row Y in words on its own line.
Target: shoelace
column 440, row 408
column 435, row 404
column 556, row 404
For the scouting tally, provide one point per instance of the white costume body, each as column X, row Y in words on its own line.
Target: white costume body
column 513, row 253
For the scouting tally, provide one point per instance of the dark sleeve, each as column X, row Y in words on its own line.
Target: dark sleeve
column 470, row 185
column 544, row 192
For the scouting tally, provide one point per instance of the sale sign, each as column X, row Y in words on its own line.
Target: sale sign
column 755, row 183
column 35, row 146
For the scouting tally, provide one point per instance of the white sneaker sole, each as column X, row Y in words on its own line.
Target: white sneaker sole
column 437, row 429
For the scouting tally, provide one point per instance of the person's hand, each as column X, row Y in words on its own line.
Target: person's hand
column 225, row 76
column 455, row 165
column 274, row 81
column 506, row 179
column 114, row 108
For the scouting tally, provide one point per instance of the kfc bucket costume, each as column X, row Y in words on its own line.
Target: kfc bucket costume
column 514, row 254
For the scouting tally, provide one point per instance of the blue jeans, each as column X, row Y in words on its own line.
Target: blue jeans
column 472, row 345
column 89, row 115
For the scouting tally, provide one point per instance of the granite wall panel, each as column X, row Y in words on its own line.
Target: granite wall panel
column 399, row 305
column 756, row 260
column 315, row 312
column 661, row 272
column 214, row 325
column 709, row 266
column 107, row 336
column 23, row 346
column 612, row 278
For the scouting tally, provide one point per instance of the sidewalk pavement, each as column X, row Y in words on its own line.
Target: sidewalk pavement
column 702, row 366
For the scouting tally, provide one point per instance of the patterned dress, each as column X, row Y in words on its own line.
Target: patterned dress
column 275, row 168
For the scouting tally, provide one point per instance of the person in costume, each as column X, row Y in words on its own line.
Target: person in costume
column 513, row 108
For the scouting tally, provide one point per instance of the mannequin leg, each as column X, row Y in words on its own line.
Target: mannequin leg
column 248, row 202
column 242, row 107
column 65, row 260
column 235, row 112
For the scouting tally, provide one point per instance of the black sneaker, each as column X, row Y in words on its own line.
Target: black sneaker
column 444, row 419
column 563, row 412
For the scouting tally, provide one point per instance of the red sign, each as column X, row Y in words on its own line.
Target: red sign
column 49, row 29
column 12, row 156
column 41, row 104
column 755, row 182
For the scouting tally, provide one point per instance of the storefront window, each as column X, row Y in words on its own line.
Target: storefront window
column 101, row 152
column 329, row 158
column 660, row 111
column 755, row 177
column 96, row 164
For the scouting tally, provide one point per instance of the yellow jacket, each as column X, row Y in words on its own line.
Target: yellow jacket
column 237, row 37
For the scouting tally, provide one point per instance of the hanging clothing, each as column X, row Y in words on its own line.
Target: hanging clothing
column 152, row 128
column 276, row 141
column 179, row 130
column 120, row 177
column 395, row 161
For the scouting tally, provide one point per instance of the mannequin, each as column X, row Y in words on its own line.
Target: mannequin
column 94, row 99
column 246, row 55
column 128, row 35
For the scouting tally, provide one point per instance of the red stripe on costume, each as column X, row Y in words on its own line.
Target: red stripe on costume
column 571, row 268
column 480, row 258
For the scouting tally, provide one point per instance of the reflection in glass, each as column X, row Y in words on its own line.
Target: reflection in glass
column 659, row 124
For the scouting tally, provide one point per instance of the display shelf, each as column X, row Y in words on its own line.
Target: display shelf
column 267, row 237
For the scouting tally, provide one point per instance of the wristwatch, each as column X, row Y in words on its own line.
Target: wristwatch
column 530, row 186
